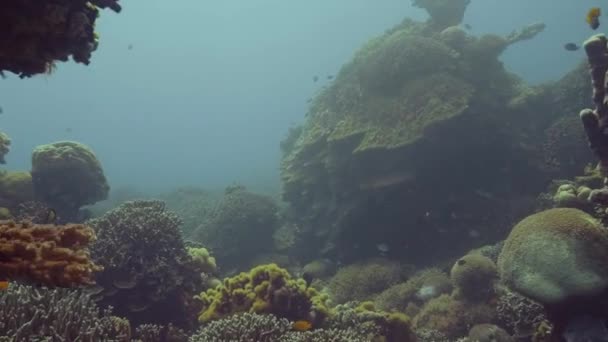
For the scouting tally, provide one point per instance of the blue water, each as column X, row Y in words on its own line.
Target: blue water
column 209, row 88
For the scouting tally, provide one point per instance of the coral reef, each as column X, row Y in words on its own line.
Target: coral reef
column 473, row 276
column 554, row 255
column 420, row 288
column 36, row 34
column 16, row 188
column 412, row 103
column 240, row 226
column 193, row 205
column 5, row 143
column 41, row 314
column 67, row 175
column 264, row 289
column 148, row 275
column 46, row 254
column 453, row 317
column 154, row 333
column 488, row 333
column 444, row 13
column 360, row 281
column 517, row 314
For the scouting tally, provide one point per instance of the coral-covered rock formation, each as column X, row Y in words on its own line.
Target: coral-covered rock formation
column 42, row 314
column 36, row 34
column 398, row 120
column 193, row 205
column 46, row 254
column 473, row 275
column 240, row 227
column 148, row 275
column 16, row 188
column 67, row 175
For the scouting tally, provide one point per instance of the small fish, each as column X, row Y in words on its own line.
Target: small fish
column 302, row 325
column 130, row 47
column 309, row 100
column 593, row 17
column 51, row 216
column 1, row 110
column 308, row 278
column 467, row 26
column 571, row 47
column 383, row 248
column 315, row 78
column 330, row 77
column 3, row 285
column 68, row 130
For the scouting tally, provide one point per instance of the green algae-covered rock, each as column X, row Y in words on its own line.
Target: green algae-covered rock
column 555, row 255
column 15, row 188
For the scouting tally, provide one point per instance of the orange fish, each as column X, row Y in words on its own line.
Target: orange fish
column 302, row 325
column 3, row 285
column 593, row 17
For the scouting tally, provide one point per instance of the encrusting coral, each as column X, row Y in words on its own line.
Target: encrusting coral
column 35, row 34
column 47, row 254
column 264, row 289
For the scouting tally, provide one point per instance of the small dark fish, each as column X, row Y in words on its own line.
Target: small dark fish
column 330, row 77
column 315, row 78
column 51, row 216
column 130, row 47
column 308, row 278
column 1, row 110
column 68, row 130
column 309, row 100
column 467, row 26
column 571, row 46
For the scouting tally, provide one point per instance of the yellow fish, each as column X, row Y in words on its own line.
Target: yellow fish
column 593, row 17
column 302, row 325
column 3, row 285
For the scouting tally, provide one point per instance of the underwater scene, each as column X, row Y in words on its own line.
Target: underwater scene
column 328, row 170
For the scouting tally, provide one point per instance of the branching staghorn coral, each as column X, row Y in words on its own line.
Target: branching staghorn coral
column 47, row 254
column 41, row 314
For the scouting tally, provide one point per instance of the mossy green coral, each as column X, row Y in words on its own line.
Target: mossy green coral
column 15, row 187
column 203, row 259
column 264, row 289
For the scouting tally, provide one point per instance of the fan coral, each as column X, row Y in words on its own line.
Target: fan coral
column 240, row 227
column 147, row 270
column 67, row 175
column 41, row 314
column 48, row 254
column 35, row 34
column 264, row 289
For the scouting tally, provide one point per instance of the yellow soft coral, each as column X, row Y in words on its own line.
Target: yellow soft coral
column 264, row 289
column 203, row 259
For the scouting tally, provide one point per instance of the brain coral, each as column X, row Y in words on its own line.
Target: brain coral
column 67, row 175
column 147, row 269
column 556, row 254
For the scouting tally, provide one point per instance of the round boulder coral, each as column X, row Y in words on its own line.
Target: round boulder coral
column 556, row 255
column 67, row 175
column 473, row 276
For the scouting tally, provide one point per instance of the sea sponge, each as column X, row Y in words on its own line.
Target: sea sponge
column 556, row 254
column 48, row 254
column 474, row 275
column 264, row 289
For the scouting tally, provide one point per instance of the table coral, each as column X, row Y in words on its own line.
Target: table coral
column 35, row 34
column 47, row 254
